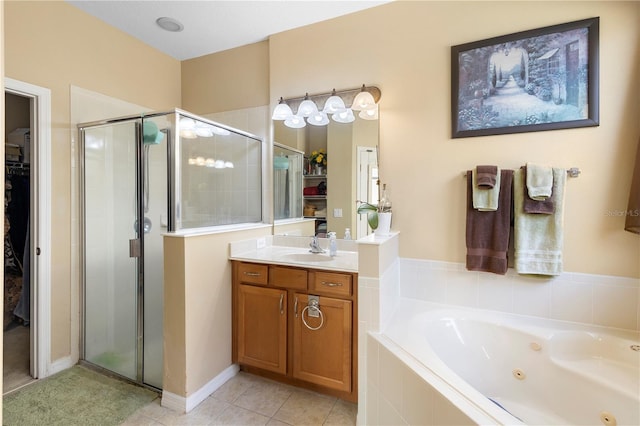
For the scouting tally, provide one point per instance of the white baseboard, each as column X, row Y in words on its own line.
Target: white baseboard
column 184, row 405
column 59, row 365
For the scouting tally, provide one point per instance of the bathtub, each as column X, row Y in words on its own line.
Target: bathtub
column 523, row 370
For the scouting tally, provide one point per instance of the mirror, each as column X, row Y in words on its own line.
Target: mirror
column 287, row 182
column 351, row 172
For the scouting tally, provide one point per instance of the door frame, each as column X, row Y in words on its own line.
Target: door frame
column 363, row 184
column 40, row 223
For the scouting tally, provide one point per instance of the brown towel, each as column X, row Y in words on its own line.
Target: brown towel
column 632, row 221
column 487, row 233
column 486, row 176
column 546, row 206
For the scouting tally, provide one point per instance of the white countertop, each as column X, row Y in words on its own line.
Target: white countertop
column 293, row 254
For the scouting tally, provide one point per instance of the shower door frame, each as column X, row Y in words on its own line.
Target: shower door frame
column 139, row 184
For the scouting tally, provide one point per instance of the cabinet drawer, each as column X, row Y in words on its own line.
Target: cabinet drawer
column 253, row 273
column 293, row 278
column 331, row 283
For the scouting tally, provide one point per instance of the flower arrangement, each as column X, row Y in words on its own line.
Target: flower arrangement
column 318, row 158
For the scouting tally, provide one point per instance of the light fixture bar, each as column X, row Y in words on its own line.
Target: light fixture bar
column 347, row 95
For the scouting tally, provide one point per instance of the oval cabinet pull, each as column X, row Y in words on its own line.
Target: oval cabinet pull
column 252, row 274
column 330, row 284
column 295, row 308
column 281, row 304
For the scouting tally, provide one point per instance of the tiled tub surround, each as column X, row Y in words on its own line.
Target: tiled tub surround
column 529, row 366
column 583, row 298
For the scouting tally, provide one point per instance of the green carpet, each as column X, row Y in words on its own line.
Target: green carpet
column 77, row 396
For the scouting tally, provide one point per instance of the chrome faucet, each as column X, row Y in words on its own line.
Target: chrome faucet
column 315, row 245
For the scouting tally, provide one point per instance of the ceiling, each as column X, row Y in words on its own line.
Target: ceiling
column 212, row 26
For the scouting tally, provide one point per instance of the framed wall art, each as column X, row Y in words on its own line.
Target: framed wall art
column 541, row 79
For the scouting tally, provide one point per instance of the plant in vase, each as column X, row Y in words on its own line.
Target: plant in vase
column 378, row 217
column 318, row 160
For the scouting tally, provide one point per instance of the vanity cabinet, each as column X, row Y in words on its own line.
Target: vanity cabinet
column 262, row 327
column 278, row 332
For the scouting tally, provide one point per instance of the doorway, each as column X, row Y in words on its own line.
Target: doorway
column 366, row 184
column 27, row 234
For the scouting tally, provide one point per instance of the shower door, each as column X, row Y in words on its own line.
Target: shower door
column 125, row 207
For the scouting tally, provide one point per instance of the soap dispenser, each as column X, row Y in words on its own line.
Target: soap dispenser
column 333, row 244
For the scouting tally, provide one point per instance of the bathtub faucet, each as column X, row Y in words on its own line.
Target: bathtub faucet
column 315, row 245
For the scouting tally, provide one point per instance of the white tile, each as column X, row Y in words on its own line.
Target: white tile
column 435, row 283
column 373, row 404
column 572, row 301
column 447, row 414
column 417, row 399
column 532, row 296
column 462, row 288
column 387, row 414
column 372, row 361
column 615, row 306
column 495, row 292
column 390, row 370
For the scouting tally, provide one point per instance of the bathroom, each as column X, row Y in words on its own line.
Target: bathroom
column 403, row 48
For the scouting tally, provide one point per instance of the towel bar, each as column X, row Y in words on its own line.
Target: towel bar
column 573, row 172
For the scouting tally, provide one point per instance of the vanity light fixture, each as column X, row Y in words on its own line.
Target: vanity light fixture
column 319, row 118
column 364, row 99
column 295, row 122
column 282, row 111
column 333, row 104
column 369, row 114
column 344, row 116
column 307, row 107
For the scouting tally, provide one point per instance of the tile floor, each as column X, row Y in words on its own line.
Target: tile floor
column 15, row 359
column 252, row 400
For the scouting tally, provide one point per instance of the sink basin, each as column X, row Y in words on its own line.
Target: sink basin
column 308, row 257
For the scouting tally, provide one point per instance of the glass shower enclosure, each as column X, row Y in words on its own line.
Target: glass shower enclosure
column 142, row 177
column 126, row 207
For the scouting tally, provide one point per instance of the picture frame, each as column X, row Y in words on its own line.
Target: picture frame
column 535, row 80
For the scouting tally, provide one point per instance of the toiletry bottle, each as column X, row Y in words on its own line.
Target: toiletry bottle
column 347, row 234
column 333, row 244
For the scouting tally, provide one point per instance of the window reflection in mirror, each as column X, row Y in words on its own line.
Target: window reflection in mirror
column 351, row 170
column 287, row 182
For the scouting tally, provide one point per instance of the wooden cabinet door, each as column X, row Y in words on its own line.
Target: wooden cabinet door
column 323, row 356
column 262, row 327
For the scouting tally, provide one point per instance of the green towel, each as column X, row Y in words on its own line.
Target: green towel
column 538, row 238
column 539, row 181
column 485, row 200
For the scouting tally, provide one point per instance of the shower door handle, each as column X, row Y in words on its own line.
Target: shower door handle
column 134, row 247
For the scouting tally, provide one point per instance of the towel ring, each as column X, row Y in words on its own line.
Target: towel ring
column 317, row 309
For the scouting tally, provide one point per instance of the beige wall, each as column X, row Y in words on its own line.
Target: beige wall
column 233, row 79
column 54, row 45
column 197, row 319
column 404, row 49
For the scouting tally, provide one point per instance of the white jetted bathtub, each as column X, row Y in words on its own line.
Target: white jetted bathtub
column 537, row 371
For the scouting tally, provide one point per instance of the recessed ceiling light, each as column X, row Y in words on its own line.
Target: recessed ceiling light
column 169, row 24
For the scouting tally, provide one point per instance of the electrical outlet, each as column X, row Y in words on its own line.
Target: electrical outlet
column 337, row 212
